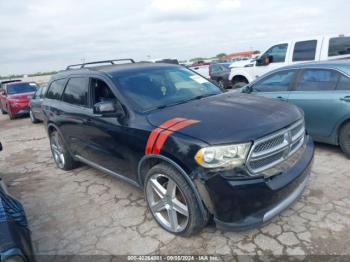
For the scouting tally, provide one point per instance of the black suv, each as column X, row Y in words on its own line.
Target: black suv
column 197, row 152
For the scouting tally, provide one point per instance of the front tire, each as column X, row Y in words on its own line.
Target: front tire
column 32, row 117
column 344, row 139
column 172, row 201
column 61, row 155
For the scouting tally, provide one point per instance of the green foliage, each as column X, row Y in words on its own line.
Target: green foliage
column 220, row 55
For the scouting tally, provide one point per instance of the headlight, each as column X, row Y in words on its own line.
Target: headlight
column 222, row 156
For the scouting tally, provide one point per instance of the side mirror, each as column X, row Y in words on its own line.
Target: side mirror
column 0, row 146
column 109, row 109
column 2, row 92
column 264, row 60
column 246, row 89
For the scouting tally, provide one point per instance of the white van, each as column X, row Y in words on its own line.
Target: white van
column 289, row 52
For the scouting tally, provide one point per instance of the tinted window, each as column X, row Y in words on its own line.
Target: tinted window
column 225, row 66
column 317, row 80
column 56, row 89
column 344, row 83
column 43, row 91
column 215, row 68
column 277, row 53
column 76, row 91
column 339, row 46
column 279, row 81
column 305, row 51
column 101, row 91
column 21, row 88
column 155, row 88
column 37, row 93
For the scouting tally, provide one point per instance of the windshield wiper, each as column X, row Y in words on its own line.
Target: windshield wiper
column 184, row 101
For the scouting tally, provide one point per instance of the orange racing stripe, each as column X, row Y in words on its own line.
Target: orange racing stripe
column 165, row 134
column 155, row 133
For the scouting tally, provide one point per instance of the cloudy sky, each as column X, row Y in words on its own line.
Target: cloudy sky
column 42, row 35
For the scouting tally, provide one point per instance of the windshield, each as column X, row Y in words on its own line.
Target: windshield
column 164, row 87
column 21, row 88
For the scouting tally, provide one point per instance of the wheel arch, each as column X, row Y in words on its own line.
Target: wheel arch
column 148, row 161
column 52, row 127
column 239, row 78
column 340, row 126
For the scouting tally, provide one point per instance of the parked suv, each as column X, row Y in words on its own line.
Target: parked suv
column 14, row 98
column 220, row 72
column 291, row 52
column 196, row 151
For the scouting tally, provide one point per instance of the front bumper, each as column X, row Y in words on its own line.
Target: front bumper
column 240, row 203
column 19, row 108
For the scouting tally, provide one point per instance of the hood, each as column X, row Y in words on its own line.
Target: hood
column 20, row 96
column 230, row 117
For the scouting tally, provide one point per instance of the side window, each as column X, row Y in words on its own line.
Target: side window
column 101, row 91
column 343, row 83
column 43, row 91
column 76, row 92
column 56, row 89
column 277, row 53
column 37, row 93
column 304, row 51
column 215, row 68
column 317, row 80
column 276, row 82
column 339, row 46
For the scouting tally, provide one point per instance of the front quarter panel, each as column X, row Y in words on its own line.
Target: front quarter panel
column 247, row 72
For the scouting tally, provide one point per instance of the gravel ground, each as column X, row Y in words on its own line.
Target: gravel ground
column 87, row 212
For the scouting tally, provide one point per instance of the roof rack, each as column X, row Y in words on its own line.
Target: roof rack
column 99, row 62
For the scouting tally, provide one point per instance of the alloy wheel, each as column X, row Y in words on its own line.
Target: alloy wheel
column 57, row 150
column 221, row 84
column 167, row 203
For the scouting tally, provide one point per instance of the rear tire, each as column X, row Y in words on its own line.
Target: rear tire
column 61, row 155
column 344, row 139
column 32, row 117
column 165, row 202
column 238, row 85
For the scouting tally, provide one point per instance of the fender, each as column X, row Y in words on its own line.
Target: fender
column 182, row 172
column 242, row 71
column 62, row 137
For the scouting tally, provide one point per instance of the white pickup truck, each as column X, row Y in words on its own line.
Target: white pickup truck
column 286, row 53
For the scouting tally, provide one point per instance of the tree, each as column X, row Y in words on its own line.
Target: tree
column 220, row 55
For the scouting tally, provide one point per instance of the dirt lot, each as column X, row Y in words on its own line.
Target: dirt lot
column 87, row 212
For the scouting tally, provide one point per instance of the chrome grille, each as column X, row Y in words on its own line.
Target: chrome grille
column 275, row 141
column 273, row 149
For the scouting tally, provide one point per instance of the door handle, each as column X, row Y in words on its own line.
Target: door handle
column 345, row 98
column 281, row 98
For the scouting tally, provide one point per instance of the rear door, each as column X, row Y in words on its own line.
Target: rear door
column 276, row 85
column 75, row 112
column 314, row 92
